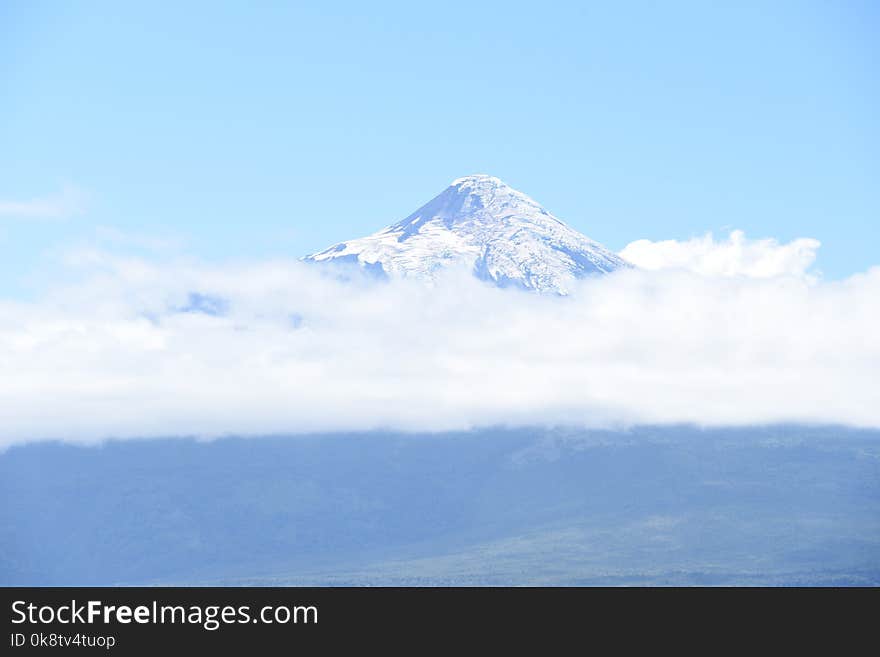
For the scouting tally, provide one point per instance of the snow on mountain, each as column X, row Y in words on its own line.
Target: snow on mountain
column 505, row 236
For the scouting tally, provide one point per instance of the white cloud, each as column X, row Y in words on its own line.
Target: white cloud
column 734, row 256
column 69, row 202
column 124, row 349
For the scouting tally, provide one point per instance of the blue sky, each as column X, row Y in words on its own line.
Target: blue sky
column 233, row 132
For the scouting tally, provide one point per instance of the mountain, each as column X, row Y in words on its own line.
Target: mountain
column 505, row 236
column 766, row 506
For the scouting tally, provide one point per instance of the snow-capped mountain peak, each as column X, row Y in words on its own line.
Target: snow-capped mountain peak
column 504, row 235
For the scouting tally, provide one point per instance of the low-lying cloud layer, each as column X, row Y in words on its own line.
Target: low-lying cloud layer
column 141, row 348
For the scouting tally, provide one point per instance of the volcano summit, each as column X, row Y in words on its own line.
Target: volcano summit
column 505, row 236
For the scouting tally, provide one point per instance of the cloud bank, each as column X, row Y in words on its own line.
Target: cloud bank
column 734, row 256
column 131, row 347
